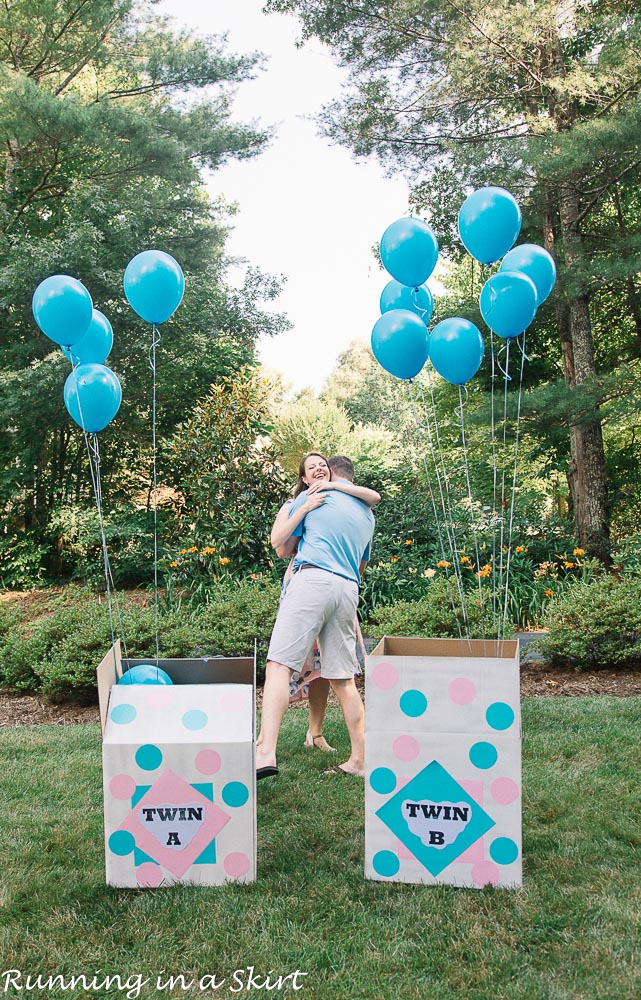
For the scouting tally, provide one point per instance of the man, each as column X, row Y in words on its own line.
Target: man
column 333, row 547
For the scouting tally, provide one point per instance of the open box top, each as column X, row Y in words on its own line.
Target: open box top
column 507, row 649
column 203, row 670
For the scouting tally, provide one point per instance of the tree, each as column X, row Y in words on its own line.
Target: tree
column 104, row 141
column 539, row 97
column 227, row 479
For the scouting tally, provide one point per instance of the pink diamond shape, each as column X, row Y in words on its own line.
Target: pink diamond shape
column 170, row 788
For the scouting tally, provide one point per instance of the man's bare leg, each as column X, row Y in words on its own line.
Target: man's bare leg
column 275, row 702
column 318, row 692
column 354, row 714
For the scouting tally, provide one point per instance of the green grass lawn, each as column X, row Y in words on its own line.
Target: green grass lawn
column 572, row 931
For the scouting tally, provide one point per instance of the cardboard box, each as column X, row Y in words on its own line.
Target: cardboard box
column 443, row 762
column 178, row 772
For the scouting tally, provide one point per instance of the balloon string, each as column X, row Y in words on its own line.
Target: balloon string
column 503, row 459
column 434, row 507
column 503, row 371
column 494, row 489
column 93, row 453
column 422, row 312
column 444, row 490
column 524, row 358
column 155, row 340
column 460, row 411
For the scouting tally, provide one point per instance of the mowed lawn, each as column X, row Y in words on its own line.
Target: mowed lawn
column 572, row 931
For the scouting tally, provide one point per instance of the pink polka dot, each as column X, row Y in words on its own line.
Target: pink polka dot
column 233, row 701
column 149, row 875
column 160, row 697
column 122, row 786
column 207, row 762
column 485, row 873
column 236, row 864
column 406, row 748
column 462, row 691
column 384, row 676
column 504, row 791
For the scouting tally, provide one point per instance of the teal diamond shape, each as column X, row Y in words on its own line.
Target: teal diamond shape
column 434, row 785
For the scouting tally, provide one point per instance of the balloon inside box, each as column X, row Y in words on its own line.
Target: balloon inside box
column 443, row 762
column 179, row 772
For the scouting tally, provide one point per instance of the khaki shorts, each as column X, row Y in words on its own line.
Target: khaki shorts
column 320, row 605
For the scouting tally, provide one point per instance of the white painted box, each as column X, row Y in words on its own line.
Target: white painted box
column 443, row 762
column 179, row 775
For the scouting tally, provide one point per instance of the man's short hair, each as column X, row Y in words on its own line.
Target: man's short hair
column 342, row 467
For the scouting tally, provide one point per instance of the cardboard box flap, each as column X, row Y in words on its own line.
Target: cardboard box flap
column 412, row 646
column 107, row 674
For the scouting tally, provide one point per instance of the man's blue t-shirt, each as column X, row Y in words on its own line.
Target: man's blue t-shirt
column 335, row 536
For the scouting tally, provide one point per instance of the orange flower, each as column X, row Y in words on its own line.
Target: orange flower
column 394, row 559
column 443, row 564
column 409, row 541
column 466, row 559
column 520, row 548
column 568, row 565
column 579, row 552
column 183, row 552
column 207, row 551
column 194, row 548
column 549, row 593
column 253, row 576
column 224, row 560
column 174, row 563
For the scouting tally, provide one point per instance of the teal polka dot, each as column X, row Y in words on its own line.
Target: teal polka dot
column 382, row 780
column 123, row 714
column 413, row 703
column 385, row 863
column 499, row 715
column 195, row 719
column 483, row 755
column 121, row 843
column 504, row 851
column 148, row 757
column 235, row 793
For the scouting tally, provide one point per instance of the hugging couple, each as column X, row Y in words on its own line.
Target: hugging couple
column 326, row 531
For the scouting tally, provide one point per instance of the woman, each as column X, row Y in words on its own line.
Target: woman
column 314, row 476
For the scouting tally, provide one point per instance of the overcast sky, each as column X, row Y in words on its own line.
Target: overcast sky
column 307, row 209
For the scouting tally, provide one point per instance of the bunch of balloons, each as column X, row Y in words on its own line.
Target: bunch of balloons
column 489, row 222
column 63, row 310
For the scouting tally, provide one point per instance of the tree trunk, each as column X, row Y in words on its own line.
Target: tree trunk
column 586, row 439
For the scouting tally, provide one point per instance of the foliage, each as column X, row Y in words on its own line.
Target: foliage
column 230, row 485
column 437, row 614
column 22, row 561
column 58, row 653
column 595, row 625
column 106, row 119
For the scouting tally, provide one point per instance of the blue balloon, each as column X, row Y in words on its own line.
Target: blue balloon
column 96, row 344
column 154, row 285
column 400, row 343
column 536, row 263
column 488, row 223
column 417, row 300
column 145, row 673
column 409, row 251
column 62, row 308
column 456, row 349
column 92, row 395
column 508, row 303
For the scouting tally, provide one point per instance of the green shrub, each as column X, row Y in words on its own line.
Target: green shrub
column 595, row 625
column 437, row 615
column 58, row 654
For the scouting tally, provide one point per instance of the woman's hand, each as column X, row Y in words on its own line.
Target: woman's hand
column 313, row 501
column 320, row 484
